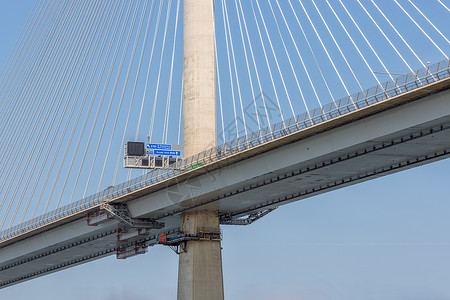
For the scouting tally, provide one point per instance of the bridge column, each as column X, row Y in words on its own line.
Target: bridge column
column 200, row 266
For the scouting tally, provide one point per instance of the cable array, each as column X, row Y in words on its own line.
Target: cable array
column 301, row 54
column 64, row 89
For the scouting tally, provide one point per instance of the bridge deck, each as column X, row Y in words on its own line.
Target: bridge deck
column 381, row 137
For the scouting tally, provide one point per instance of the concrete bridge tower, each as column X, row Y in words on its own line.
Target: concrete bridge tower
column 200, row 266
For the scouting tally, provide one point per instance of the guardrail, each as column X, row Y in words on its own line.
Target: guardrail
column 379, row 93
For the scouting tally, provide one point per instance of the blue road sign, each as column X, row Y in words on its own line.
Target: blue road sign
column 159, row 146
column 166, row 152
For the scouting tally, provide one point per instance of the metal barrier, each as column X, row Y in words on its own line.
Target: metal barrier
column 360, row 100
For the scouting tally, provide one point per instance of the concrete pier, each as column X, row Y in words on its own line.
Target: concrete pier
column 200, row 266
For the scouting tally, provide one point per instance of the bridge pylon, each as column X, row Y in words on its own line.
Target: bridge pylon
column 200, row 264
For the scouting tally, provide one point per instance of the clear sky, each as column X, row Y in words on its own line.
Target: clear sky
column 384, row 239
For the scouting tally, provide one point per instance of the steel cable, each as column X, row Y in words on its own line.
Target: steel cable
column 94, row 94
column 80, row 111
column 133, row 52
column 71, row 87
column 47, row 120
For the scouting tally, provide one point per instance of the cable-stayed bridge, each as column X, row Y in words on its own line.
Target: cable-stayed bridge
column 242, row 180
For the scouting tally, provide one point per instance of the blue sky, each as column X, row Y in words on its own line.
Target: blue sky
column 383, row 239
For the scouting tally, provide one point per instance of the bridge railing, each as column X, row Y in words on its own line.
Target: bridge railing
column 360, row 100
